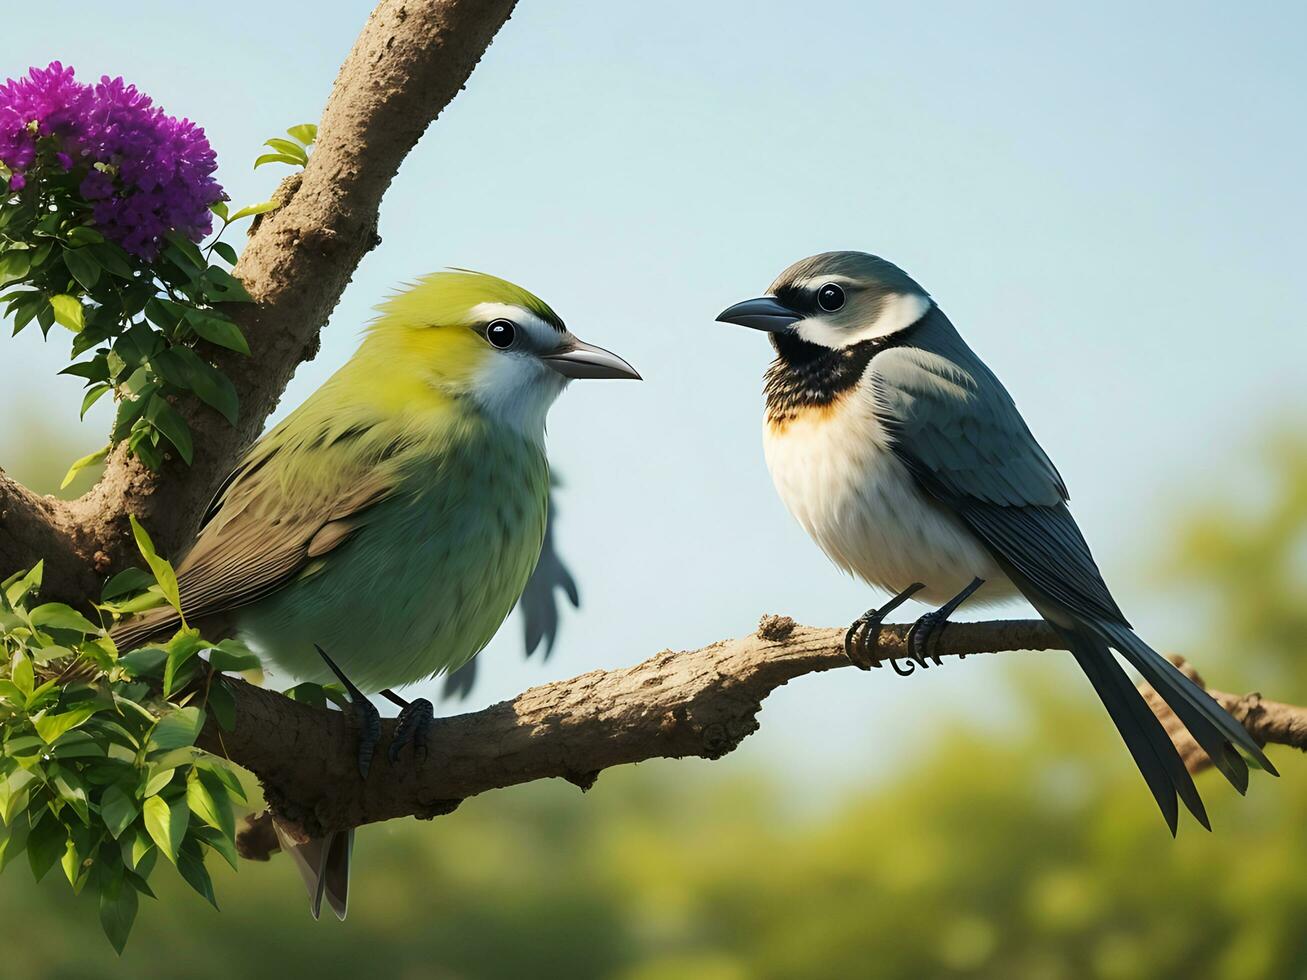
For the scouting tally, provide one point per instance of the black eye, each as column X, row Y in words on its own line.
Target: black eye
column 501, row 334
column 830, row 297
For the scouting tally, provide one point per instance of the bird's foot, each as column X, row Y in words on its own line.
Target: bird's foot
column 366, row 716
column 923, row 638
column 413, row 725
column 863, row 636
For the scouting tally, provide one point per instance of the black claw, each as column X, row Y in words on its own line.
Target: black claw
column 863, row 637
column 923, row 637
column 414, row 724
column 855, row 640
column 366, row 716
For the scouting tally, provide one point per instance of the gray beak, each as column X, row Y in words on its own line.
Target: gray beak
column 764, row 313
column 578, row 360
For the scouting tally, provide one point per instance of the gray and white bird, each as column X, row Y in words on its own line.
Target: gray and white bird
column 906, row 460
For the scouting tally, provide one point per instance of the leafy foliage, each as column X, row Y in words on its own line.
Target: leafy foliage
column 99, row 771
column 294, row 151
column 137, row 312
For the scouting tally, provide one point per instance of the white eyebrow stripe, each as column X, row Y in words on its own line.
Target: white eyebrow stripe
column 542, row 334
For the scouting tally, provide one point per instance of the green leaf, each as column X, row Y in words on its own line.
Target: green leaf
column 13, row 841
column 234, row 656
column 84, row 235
column 223, row 773
column 92, row 396
column 304, row 133
column 177, row 729
column 159, row 778
column 190, row 863
column 72, row 791
column 118, row 906
column 217, row 330
column 279, row 158
column 163, row 572
column 22, row 675
column 226, row 251
column 114, row 260
column 23, row 745
column 208, row 800
column 82, row 264
column 220, row 209
column 212, row 386
column 220, row 286
column 118, row 810
column 262, row 207
column 222, row 704
column 145, row 662
column 293, row 150
column 141, row 849
column 223, row 845
column 19, row 585
column 51, row 727
column 68, row 312
column 166, row 824
column 181, row 649
column 57, row 615
column 15, row 791
column 45, row 844
column 129, row 410
column 164, row 313
column 187, row 248
column 14, row 265
column 126, row 582
column 79, row 745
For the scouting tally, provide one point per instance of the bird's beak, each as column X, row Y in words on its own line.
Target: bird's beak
column 578, row 360
column 764, row 313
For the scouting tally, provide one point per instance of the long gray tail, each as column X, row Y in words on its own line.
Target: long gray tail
column 1210, row 725
column 324, row 864
column 1154, row 752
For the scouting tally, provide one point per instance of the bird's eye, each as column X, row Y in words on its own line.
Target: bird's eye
column 830, row 297
column 501, row 334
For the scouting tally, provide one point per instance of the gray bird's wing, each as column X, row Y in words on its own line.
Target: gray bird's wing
column 957, row 430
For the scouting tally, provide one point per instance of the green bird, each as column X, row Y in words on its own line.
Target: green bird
column 394, row 518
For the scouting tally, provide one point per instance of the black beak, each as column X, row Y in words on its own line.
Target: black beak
column 764, row 313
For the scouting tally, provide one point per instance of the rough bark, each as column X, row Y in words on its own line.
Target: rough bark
column 411, row 59
column 693, row 703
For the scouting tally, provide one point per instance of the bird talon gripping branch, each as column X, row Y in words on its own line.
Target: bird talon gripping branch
column 412, row 727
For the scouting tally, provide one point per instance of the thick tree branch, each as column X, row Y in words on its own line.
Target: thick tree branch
column 694, row 703
column 411, row 59
column 33, row 528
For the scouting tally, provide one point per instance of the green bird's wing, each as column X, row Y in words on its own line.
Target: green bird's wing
column 291, row 501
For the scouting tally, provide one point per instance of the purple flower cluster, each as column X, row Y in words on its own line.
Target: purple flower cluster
column 145, row 173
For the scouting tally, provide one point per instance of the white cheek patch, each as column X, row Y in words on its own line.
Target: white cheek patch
column 897, row 312
column 513, row 386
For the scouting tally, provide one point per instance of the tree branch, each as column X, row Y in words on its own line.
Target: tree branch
column 411, row 59
column 694, row 703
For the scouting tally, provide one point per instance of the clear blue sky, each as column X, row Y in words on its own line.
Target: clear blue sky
column 1107, row 199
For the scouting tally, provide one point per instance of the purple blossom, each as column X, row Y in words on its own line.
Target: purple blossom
column 146, row 173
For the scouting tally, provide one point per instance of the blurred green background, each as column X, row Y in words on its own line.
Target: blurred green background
column 1023, row 848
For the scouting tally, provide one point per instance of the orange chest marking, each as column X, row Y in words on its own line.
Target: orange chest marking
column 779, row 422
